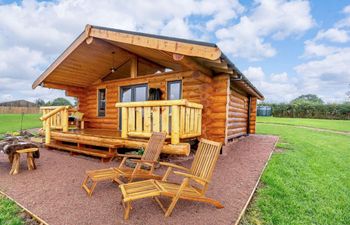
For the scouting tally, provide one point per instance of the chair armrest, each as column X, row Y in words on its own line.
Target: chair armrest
column 129, row 156
column 142, row 161
column 173, row 166
column 193, row 177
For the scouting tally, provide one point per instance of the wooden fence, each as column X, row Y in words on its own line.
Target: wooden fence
column 19, row 110
column 177, row 118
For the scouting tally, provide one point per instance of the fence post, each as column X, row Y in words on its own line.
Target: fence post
column 175, row 125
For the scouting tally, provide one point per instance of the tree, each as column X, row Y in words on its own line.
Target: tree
column 60, row 101
column 309, row 98
column 40, row 102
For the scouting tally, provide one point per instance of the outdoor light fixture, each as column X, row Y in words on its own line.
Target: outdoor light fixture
column 113, row 68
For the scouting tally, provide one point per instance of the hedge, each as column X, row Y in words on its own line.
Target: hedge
column 311, row 110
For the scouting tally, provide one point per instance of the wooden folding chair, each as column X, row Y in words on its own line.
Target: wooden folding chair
column 149, row 158
column 200, row 172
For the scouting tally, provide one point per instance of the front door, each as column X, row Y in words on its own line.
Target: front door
column 134, row 93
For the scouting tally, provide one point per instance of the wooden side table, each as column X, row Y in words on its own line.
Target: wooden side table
column 15, row 160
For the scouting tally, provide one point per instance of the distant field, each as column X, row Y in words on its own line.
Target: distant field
column 12, row 122
column 338, row 125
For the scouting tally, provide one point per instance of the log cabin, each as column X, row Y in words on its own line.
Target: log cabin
column 128, row 84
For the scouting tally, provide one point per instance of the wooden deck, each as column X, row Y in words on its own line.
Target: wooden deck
column 103, row 143
column 103, row 133
column 181, row 120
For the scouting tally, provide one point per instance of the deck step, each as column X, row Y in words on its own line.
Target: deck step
column 82, row 150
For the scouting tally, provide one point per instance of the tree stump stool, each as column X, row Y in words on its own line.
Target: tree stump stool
column 15, row 160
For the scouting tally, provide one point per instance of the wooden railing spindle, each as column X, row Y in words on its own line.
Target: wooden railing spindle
column 183, row 117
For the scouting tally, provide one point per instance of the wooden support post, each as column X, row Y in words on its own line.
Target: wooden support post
column 44, row 122
column 133, row 69
column 175, row 125
column 124, row 133
column 65, row 120
column 47, row 131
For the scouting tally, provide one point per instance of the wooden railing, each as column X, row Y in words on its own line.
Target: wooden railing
column 54, row 117
column 178, row 118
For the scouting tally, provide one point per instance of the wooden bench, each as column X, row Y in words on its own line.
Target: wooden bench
column 15, row 160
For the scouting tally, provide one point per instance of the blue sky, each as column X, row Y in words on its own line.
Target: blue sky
column 286, row 48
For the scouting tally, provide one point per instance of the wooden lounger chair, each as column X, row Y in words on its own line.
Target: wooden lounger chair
column 149, row 158
column 200, row 172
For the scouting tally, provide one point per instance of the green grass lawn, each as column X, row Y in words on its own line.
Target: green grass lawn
column 9, row 212
column 339, row 125
column 12, row 122
column 309, row 181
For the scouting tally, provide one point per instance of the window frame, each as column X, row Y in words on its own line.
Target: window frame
column 133, row 92
column 132, row 87
column 168, row 88
column 98, row 103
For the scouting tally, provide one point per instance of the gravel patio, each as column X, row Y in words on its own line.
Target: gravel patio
column 54, row 193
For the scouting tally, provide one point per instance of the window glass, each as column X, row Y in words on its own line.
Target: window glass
column 140, row 93
column 126, row 94
column 174, row 90
column 102, row 102
column 132, row 94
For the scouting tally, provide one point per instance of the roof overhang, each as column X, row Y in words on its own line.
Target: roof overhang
column 94, row 45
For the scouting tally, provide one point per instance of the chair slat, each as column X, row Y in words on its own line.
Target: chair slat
column 154, row 146
column 205, row 159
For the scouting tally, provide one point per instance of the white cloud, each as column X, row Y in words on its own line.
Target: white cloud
column 254, row 74
column 312, row 49
column 329, row 77
column 327, row 71
column 345, row 22
column 334, row 35
column 6, row 97
column 270, row 18
column 277, row 87
column 33, row 33
column 178, row 26
column 329, row 66
column 347, row 9
column 242, row 40
column 20, row 62
column 223, row 13
column 280, row 77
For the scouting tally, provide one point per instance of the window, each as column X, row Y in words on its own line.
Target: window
column 133, row 93
column 174, row 90
column 101, row 111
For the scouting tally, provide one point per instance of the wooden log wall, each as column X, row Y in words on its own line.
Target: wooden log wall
column 253, row 115
column 216, row 95
column 196, row 87
column 237, row 119
column 225, row 112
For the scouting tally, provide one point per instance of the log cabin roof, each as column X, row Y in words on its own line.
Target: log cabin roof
column 89, row 58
